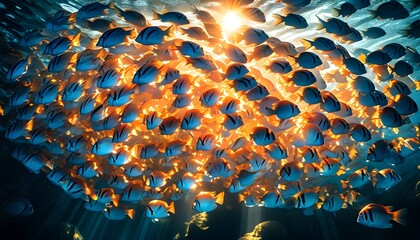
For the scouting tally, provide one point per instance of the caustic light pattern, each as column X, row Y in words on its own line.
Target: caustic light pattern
column 116, row 109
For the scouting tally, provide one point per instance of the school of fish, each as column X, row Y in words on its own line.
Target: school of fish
column 119, row 108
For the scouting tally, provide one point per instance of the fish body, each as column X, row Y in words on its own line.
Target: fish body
column 378, row 216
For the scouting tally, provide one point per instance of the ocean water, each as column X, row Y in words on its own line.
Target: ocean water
column 58, row 216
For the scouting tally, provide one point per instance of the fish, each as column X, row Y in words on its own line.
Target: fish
column 346, row 10
column 272, row 199
column 291, row 171
column 19, row 206
column 334, row 26
column 319, row 43
column 374, row 32
column 357, row 179
column 157, row 209
column 118, row 213
column 390, row 10
column 207, row 201
column 132, row 16
column 411, row 30
column 378, row 216
column 114, row 36
column 385, row 179
column 172, row 17
column 61, row 44
column 153, row 35
column 92, row 10
column 291, row 19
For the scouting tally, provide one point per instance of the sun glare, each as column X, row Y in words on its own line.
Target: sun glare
column 231, row 22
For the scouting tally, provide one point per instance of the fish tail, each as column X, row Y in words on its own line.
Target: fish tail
column 241, row 198
column 171, row 208
column 130, row 213
column 278, row 19
column 373, row 14
column 335, row 12
column 169, row 31
column 115, row 200
column 76, row 39
column 306, row 43
column 400, row 216
column 405, row 32
column 72, row 17
column 320, row 25
column 220, row 198
column 156, row 16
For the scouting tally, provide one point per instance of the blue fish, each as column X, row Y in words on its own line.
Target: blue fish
column 119, row 158
column 61, row 44
column 355, row 66
column 360, row 133
column 114, row 37
column 190, row 49
column 202, row 63
column 174, row 17
column 279, row 66
column 147, row 73
column 233, row 121
column 133, row 169
column 108, row 80
column 229, row 105
column 182, row 85
column 329, row 102
column 191, row 119
column 319, row 119
column 378, row 57
column 152, row 120
column 286, row 109
column 405, row 105
column 61, row 20
column 182, row 101
column 363, row 85
column 310, row 155
column 120, row 96
column 206, row 142
column 262, row 136
column 157, row 209
column 303, row 78
column 149, row 151
column 61, row 62
column 272, row 199
column 346, row 9
column 319, row 43
column 291, row 19
column 291, row 171
column 118, row 213
column 153, row 35
column 133, row 193
column 19, row 96
column 87, row 105
column 195, row 32
column 339, row 126
column 132, row 17
column 373, row 98
column 103, row 147
column 402, row 68
column 210, row 97
column 169, row 125
column 18, row 69
column 254, row 35
column 76, row 143
column 87, row 169
column 374, row 32
column 394, row 50
column 308, row 60
column 236, row 54
column 72, row 91
column 207, row 201
column 312, row 135
column 311, row 95
column 391, row 9
column 397, row 87
column 19, row 206
column 335, row 26
column 171, row 75
column 56, row 119
column 391, row 118
column 257, row 93
column 245, row 83
column 236, row 71
column 92, row 10
column 276, row 151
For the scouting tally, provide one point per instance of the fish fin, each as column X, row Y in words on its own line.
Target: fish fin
column 405, row 32
column 278, row 19
column 172, row 208
column 344, row 206
column 219, row 198
column 319, row 205
column 400, row 216
column 335, row 12
column 115, row 199
column 241, row 198
column 76, row 39
column 362, row 58
column 306, row 43
column 169, row 31
column 132, row 34
column 373, row 14
column 130, row 213
column 390, row 68
column 320, row 25
column 156, row 15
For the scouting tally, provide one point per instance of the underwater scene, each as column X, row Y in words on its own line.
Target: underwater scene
column 236, row 119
